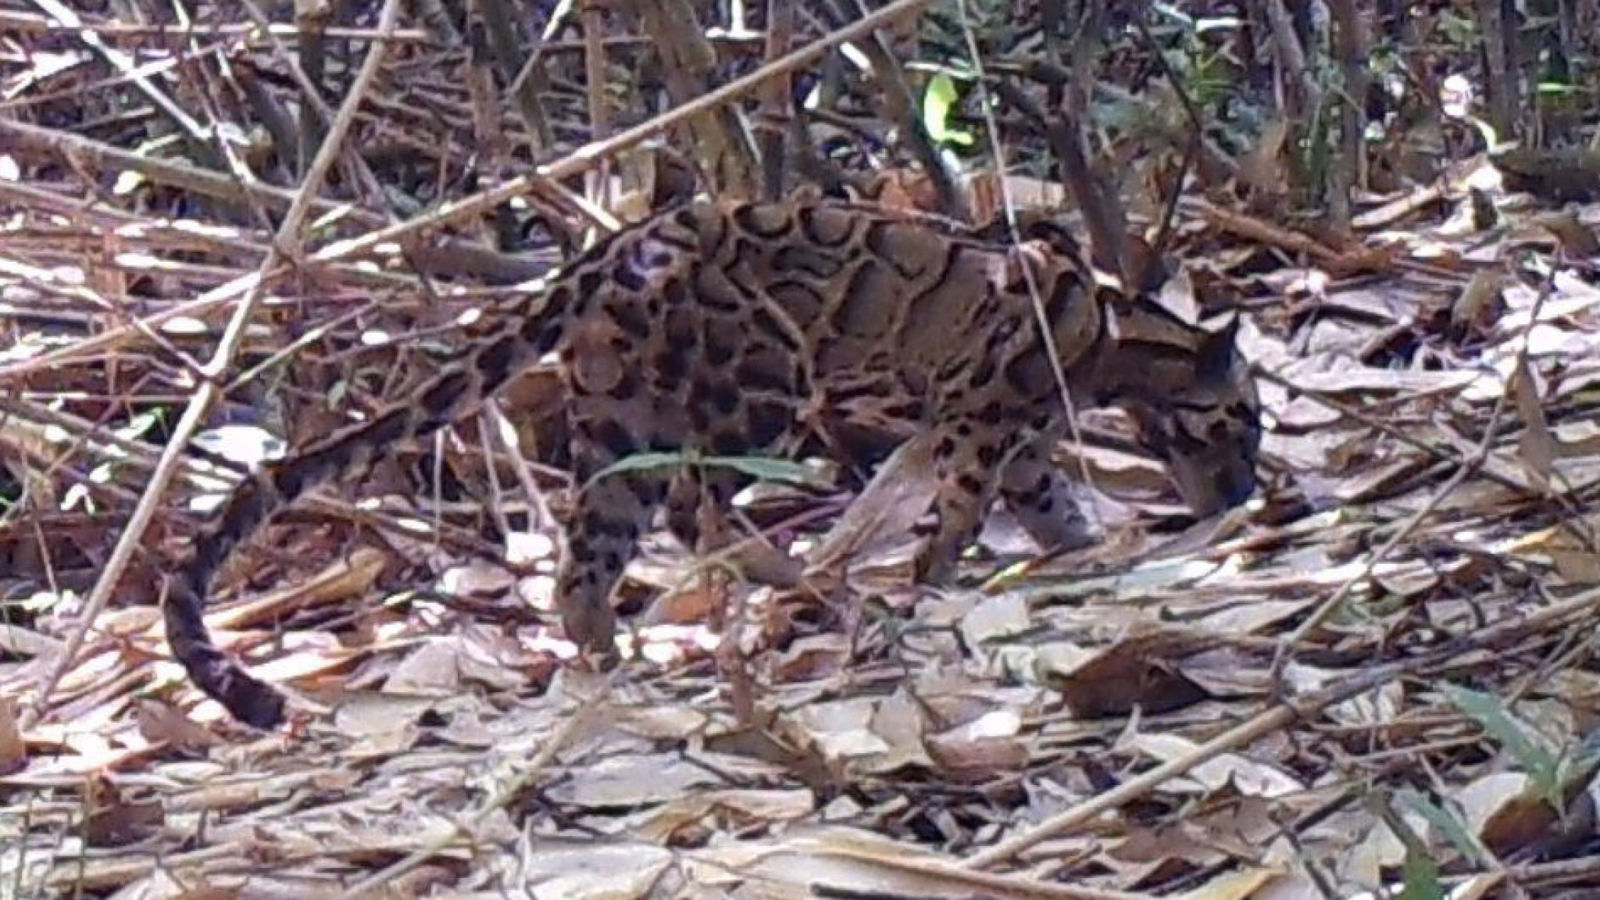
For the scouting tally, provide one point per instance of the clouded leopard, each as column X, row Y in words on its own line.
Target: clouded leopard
column 756, row 329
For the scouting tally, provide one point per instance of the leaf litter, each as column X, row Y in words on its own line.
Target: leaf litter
column 1106, row 723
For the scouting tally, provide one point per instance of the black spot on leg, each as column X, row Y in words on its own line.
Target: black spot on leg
column 538, row 334
column 765, row 370
column 598, row 524
column 699, row 417
column 681, row 328
column 763, row 221
column 1067, row 292
column 1030, row 374
column 988, row 456
column 969, row 484
column 556, row 303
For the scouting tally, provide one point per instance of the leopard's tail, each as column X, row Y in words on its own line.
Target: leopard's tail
column 513, row 343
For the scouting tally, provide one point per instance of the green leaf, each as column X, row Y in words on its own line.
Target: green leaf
column 1421, row 878
column 758, row 467
column 1524, row 745
column 766, row 468
column 937, row 102
column 1446, row 823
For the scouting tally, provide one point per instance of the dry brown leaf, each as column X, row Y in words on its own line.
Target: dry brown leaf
column 160, row 723
column 431, row 670
column 1565, row 547
column 633, row 780
column 1136, row 670
column 594, row 871
column 898, row 494
column 812, row 656
column 1505, row 811
column 1576, row 240
column 1241, row 885
column 723, row 810
column 980, row 750
column 1226, row 771
column 115, row 819
column 1536, row 446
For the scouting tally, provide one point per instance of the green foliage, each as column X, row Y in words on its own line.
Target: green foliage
column 938, row 101
column 1527, row 748
column 1445, row 822
column 1196, row 52
column 1421, row 878
column 1552, row 769
column 759, row 467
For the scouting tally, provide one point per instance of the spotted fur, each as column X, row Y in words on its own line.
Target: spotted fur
column 745, row 328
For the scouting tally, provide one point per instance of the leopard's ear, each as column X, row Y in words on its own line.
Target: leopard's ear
column 1219, row 350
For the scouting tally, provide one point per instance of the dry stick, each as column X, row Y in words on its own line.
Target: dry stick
column 209, row 391
column 598, row 187
column 451, row 255
column 33, row 23
column 575, row 163
column 585, row 157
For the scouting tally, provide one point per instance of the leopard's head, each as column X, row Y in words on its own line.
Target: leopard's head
column 1198, row 410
